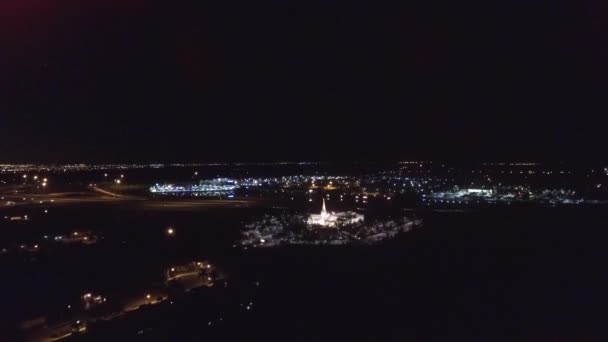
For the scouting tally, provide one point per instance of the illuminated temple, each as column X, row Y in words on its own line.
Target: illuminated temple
column 331, row 219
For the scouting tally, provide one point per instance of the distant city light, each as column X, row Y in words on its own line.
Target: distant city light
column 211, row 187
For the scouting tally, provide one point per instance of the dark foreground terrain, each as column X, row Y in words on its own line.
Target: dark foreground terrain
column 499, row 275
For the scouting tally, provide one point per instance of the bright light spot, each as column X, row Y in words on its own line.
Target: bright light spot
column 172, row 269
column 148, row 296
column 170, row 231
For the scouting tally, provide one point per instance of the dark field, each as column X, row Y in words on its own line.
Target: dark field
column 495, row 274
column 528, row 275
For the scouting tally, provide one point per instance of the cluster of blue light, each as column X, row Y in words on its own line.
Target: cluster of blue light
column 212, row 187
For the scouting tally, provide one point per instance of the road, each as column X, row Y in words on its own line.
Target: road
column 97, row 195
column 106, row 192
column 189, row 281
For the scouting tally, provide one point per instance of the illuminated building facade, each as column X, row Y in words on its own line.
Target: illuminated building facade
column 331, row 219
column 212, row 187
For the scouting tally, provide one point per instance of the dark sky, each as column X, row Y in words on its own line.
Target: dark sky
column 302, row 80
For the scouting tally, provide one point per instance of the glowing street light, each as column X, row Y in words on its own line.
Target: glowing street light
column 170, row 231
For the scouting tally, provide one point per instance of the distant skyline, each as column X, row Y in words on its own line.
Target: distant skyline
column 315, row 80
column 473, row 163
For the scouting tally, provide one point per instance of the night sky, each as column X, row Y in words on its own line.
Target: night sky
column 118, row 81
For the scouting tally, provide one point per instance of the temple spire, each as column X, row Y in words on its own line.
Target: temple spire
column 323, row 211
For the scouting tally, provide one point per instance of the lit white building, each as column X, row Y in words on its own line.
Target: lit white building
column 332, row 219
column 485, row 192
column 210, row 187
